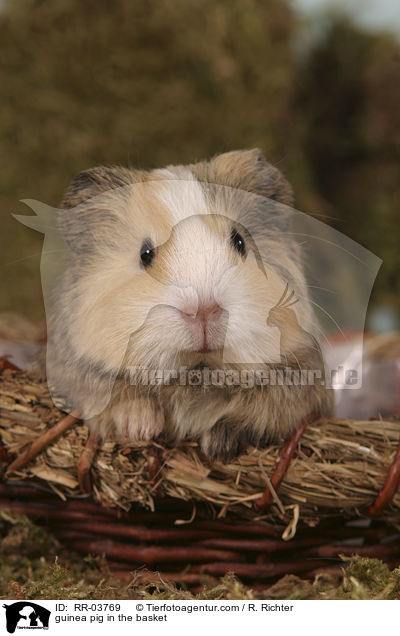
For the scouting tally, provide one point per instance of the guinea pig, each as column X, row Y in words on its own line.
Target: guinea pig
column 183, row 305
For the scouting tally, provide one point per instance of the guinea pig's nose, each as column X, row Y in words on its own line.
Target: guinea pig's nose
column 202, row 313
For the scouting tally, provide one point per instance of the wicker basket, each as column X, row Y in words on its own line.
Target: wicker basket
column 168, row 510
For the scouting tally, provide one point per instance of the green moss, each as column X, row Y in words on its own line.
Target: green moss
column 57, row 575
column 370, row 579
column 63, row 575
column 24, row 537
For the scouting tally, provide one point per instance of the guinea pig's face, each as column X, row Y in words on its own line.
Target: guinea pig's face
column 214, row 295
column 174, row 282
column 174, row 276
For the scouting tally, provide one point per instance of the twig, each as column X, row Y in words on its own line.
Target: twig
column 389, row 489
column 154, row 554
column 85, row 461
column 40, row 443
column 283, row 462
column 141, row 533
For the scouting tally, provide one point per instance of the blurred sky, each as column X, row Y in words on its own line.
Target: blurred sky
column 369, row 13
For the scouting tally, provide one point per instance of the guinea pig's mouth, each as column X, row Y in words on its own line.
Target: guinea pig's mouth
column 205, row 357
column 200, row 366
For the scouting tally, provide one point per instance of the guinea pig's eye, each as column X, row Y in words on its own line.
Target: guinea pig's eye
column 238, row 243
column 147, row 253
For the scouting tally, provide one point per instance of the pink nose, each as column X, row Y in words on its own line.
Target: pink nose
column 202, row 313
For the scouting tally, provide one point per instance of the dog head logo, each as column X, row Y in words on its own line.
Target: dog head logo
column 26, row 615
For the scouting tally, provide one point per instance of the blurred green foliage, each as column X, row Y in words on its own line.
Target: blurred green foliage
column 164, row 81
column 350, row 95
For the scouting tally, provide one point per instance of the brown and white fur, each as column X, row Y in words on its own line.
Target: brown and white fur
column 199, row 304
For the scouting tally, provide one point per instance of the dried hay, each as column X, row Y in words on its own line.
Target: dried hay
column 339, row 468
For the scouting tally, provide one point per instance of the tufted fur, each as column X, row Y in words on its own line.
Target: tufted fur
column 112, row 315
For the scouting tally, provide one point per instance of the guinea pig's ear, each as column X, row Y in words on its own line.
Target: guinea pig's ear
column 83, row 205
column 249, row 170
column 89, row 183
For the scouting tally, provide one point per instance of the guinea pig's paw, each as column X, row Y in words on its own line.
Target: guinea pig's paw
column 224, row 441
column 138, row 419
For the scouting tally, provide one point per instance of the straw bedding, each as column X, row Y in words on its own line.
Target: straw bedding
column 339, row 467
